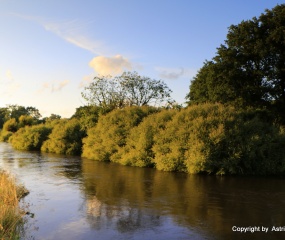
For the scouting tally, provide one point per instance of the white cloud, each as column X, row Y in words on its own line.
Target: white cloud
column 110, row 65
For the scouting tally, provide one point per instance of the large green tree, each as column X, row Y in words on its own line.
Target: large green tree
column 249, row 69
column 128, row 89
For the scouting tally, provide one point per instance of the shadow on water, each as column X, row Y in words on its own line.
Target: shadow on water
column 74, row 198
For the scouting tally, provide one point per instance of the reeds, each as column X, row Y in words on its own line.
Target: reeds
column 11, row 216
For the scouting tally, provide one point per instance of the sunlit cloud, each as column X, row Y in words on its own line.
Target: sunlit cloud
column 110, row 65
column 86, row 80
column 54, row 86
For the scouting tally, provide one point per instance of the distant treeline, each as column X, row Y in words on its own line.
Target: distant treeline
column 233, row 124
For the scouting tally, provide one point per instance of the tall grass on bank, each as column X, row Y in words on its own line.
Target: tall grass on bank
column 10, row 213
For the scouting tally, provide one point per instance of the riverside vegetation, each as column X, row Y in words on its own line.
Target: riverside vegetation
column 233, row 122
column 11, row 216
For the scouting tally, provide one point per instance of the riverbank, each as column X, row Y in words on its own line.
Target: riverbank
column 11, row 216
column 207, row 138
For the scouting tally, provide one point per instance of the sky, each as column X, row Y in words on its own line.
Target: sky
column 51, row 50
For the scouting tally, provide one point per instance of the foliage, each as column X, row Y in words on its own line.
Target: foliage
column 111, row 131
column 16, row 111
column 11, row 125
column 4, row 116
column 88, row 115
column 141, row 90
column 52, row 117
column 104, row 92
column 5, row 135
column 26, row 120
column 138, row 149
column 129, row 89
column 249, row 70
column 218, row 139
column 65, row 138
column 30, row 137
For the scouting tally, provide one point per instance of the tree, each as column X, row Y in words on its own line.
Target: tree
column 16, row 111
column 87, row 115
column 140, row 90
column 249, row 70
column 4, row 116
column 104, row 92
column 129, row 89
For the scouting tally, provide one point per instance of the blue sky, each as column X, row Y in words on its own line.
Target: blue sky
column 50, row 50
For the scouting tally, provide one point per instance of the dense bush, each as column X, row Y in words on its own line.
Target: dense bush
column 88, row 115
column 138, row 150
column 252, row 145
column 66, row 137
column 5, row 135
column 216, row 139
column 11, row 125
column 25, row 120
column 111, row 131
column 30, row 137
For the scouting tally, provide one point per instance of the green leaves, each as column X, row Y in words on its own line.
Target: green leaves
column 30, row 137
column 249, row 70
column 65, row 138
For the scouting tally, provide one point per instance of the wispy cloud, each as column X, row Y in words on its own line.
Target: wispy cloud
column 110, row 65
column 72, row 31
column 175, row 73
column 54, row 86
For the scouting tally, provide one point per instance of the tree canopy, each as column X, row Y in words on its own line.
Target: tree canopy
column 129, row 89
column 249, row 69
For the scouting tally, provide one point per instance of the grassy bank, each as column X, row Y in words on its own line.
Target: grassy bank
column 10, row 212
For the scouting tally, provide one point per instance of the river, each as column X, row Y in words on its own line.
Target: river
column 74, row 198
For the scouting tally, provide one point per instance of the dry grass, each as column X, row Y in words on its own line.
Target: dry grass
column 10, row 214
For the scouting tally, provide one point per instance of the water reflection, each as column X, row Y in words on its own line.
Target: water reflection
column 75, row 198
column 208, row 204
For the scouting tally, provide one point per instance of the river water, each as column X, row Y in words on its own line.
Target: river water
column 74, row 198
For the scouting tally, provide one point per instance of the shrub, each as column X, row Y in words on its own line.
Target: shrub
column 111, row 131
column 30, row 137
column 138, row 150
column 26, row 120
column 11, row 125
column 218, row 139
column 5, row 135
column 66, row 138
